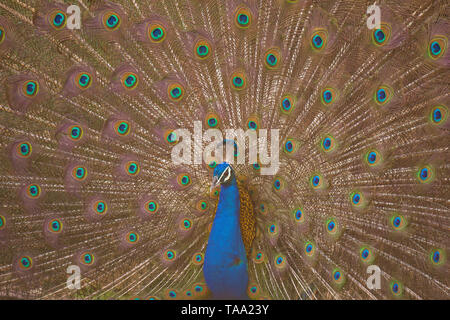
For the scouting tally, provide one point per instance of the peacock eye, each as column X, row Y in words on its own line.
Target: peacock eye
column 33, row 191
column 111, row 21
column 132, row 168
column 156, row 32
column 129, row 80
column 57, row 19
column 24, row 149
column 383, row 95
column 238, row 80
column 2, row 34
column 132, row 237
column 122, row 128
column 328, row 96
column 243, row 17
column 87, row 258
column 381, row 36
column 309, row 249
column 2, row 222
column 425, row 174
column 437, row 47
column 437, row 257
column 272, row 58
column 75, row 133
column 439, row 115
column 30, row 88
column 25, row 263
column 175, row 92
column 227, row 174
column 55, row 226
column 319, row 39
column 202, row 49
column 79, row 173
column 83, row 80
column 287, row 103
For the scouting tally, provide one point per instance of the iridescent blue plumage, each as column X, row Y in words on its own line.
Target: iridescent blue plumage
column 225, row 266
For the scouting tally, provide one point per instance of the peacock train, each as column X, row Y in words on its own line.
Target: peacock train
column 96, row 95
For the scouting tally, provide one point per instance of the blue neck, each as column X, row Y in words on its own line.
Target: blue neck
column 225, row 266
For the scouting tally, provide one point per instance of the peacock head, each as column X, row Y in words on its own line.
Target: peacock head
column 223, row 174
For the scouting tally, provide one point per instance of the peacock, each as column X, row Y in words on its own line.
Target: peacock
column 96, row 95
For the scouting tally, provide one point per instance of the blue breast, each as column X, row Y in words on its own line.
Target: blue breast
column 225, row 266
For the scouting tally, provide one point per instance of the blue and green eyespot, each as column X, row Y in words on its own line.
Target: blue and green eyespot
column 287, row 104
column 169, row 255
column 100, row 207
column 280, row 261
column 129, row 80
column 383, row 94
column 243, row 17
column 151, row 206
column 212, row 121
column 357, row 199
column 278, row 184
column 396, row 288
column 316, row 181
column 175, row 92
column 331, row 226
column 309, row 249
column 373, row 158
column 327, row 143
column 398, row 222
column 381, row 36
column 79, row 173
column 24, row 149
column 87, row 258
column 291, row 146
column 111, row 21
column 2, row 222
column 437, row 257
column 238, row 80
column 273, row 229
column 57, row 19
column 299, row 215
column 30, row 88
column 328, row 96
column 185, row 224
column 83, row 80
column 338, row 277
column 55, row 226
column 25, row 263
column 184, row 180
column 156, row 32
column 33, row 191
column 197, row 258
column 437, row 47
column 2, row 34
column 132, row 237
column 272, row 58
column 132, row 168
column 75, row 132
column 202, row 49
column 258, row 257
column 122, row 127
column 366, row 255
column 425, row 174
column 319, row 39
column 253, row 123
column 202, row 205
column 438, row 115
